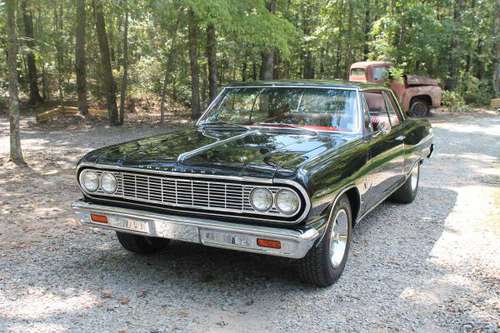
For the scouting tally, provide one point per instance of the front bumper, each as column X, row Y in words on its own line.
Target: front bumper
column 234, row 236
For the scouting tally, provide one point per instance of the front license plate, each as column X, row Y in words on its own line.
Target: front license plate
column 130, row 224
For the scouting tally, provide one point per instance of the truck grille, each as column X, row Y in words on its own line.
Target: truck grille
column 188, row 193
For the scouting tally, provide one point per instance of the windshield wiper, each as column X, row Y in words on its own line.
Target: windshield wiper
column 286, row 125
column 222, row 124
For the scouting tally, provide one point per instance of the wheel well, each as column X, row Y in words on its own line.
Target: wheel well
column 355, row 201
column 425, row 98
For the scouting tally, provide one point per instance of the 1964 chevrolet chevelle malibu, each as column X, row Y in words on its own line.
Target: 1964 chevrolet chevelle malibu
column 278, row 168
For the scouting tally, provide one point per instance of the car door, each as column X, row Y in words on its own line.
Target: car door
column 386, row 148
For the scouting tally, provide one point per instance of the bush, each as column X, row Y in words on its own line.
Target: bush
column 475, row 91
column 454, row 102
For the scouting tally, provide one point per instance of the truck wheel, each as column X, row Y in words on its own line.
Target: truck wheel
column 419, row 108
column 408, row 191
column 325, row 262
column 141, row 244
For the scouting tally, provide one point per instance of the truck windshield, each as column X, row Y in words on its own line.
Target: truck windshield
column 310, row 108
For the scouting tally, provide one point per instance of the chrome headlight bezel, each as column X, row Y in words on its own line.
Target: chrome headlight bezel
column 263, row 191
column 279, row 205
column 108, row 178
column 87, row 175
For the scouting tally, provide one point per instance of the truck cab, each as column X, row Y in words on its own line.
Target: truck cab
column 416, row 94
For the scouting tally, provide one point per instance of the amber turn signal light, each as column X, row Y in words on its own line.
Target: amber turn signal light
column 273, row 244
column 99, row 218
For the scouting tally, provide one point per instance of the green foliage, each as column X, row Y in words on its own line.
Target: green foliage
column 323, row 36
column 454, row 102
column 396, row 73
column 475, row 91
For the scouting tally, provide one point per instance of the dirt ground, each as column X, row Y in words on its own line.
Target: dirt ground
column 431, row 266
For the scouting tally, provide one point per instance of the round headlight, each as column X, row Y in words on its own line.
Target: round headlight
column 261, row 199
column 89, row 180
column 108, row 182
column 287, row 201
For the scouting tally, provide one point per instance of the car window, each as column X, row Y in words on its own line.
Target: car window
column 366, row 115
column 379, row 73
column 322, row 109
column 379, row 117
column 358, row 72
column 391, row 109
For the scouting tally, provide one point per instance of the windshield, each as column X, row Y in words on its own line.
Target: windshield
column 318, row 109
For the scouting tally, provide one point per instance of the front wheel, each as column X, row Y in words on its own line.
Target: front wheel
column 141, row 244
column 325, row 262
column 408, row 191
column 419, row 108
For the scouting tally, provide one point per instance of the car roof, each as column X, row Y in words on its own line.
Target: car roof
column 366, row 64
column 308, row 83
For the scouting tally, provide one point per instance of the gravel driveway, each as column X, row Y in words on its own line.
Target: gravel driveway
column 431, row 266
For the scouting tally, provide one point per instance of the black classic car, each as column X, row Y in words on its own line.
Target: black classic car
column 277, row 168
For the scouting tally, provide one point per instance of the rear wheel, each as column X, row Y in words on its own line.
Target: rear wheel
column 408, row 191
column 325, row 262
column 419, row 108
column 141, row 244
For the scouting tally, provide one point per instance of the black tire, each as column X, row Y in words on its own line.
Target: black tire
column 407, row 192
column 419, row 108
column 141, row 244
column 317, row 267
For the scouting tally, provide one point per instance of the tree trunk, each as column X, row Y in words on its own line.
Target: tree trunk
column 107, row 74
column 30, row 57
column 267, row 68
column 367, row 30
column 16, row 154
column 123, row 91
column 244, row 70
column 80, row 61
column 455, row 46
column 348, row 56
column 212, row 62
column 496, row 69
column 58, row 28
column 45, row 84
column 307, row 55
column 168, row 69
column 204, row 86
column 193, row 59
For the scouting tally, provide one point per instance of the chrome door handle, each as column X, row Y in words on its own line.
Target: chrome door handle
column 400, row 138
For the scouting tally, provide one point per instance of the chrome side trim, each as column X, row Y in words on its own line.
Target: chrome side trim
column 339, row 195
column 407, row 175
column 294, row 243
column 210, row 106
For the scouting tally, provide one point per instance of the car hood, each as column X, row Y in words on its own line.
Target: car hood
column 253, row 152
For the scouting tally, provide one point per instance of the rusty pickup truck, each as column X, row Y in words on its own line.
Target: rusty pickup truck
column 416, row 94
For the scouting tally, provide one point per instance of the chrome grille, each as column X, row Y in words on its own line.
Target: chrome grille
column 188, row 193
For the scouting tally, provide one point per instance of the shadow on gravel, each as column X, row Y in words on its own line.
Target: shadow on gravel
column 377, row 241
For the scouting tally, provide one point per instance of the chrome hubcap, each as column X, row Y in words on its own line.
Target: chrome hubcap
column 338, row 239
column 414, row 178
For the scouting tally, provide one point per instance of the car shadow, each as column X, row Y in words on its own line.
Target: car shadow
column 378, row 235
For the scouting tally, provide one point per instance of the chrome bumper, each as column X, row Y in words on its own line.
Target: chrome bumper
column 241, row 237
